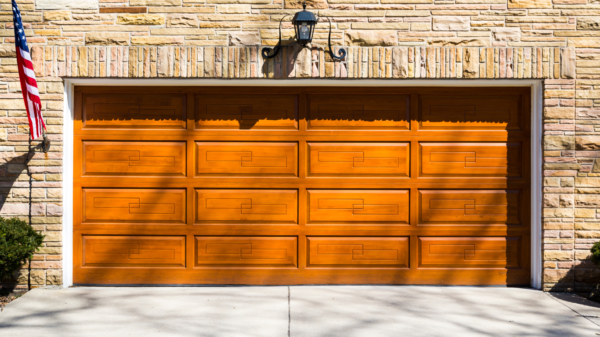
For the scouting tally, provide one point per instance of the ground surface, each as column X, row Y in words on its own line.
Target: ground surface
column 346, row 311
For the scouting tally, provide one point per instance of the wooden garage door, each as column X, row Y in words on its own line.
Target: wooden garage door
column 230, row 185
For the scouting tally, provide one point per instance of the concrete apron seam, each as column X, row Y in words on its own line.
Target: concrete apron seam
column 575, row 311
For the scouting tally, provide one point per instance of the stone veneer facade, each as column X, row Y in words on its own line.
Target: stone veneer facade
column 554, row 40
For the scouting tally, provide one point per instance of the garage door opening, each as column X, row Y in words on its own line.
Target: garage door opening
column 301, row 185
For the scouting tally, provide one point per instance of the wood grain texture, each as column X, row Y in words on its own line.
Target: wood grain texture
column 462, row 252
column 359, row 159
column 247, row 206
column 358, row 112
column 365, row 206
column 218, row 251
column 134, row 158
column 134, row 251
column 469, row 207
column 162, row 206
column 262, row 176
column 246, row 112
column 335, row 252
column 247, row 159
column 134, row 111
column 470, row 159
column 465, row 112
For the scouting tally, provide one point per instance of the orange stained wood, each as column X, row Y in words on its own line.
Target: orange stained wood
column 301, row 185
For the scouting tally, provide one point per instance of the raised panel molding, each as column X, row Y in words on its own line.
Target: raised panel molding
column 470, row 113
column 247, row 206
column 157, row 206
column 469, row 207
column 358, row 112
column 247, row 112
column 359, row 159
column 233, row 251
column 469, row 252
column 247, row 159
column 134, row 158
column 133, row 251
column 134, row 111
column 470, row 159
column 360, row 252
column 358, row 206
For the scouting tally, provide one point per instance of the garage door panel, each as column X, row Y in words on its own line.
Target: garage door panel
column 358, row 252
column 123, row 206
column 470, row 160
column 133, row 251
column 469, row 113
column 472, row 207
column 470, row 252
column 142, row 159
column 247, row 206
column 246, row 159
column 231, row 251
column 359, row 159
column 359, row 112
column 247, row 112
column 358, row 206
column 134, row 111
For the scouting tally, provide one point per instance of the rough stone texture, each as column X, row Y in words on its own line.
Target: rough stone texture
column 244, row 39
column 557, row 41
column 453, row 23
column 66, row 4
column 370, row 38
column 141, row 19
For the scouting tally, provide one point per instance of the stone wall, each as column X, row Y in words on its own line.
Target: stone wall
column 554, row 40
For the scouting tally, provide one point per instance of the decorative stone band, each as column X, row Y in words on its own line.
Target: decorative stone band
column 311, row 62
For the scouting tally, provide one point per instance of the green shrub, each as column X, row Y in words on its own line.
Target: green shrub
column 596, row 253
column 18, row 242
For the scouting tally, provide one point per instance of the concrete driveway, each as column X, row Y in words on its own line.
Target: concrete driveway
column 348, row 311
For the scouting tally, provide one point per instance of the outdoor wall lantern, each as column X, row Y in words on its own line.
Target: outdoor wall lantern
column 304, row 24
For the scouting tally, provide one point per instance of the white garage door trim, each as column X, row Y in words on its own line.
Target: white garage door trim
column 536, row 141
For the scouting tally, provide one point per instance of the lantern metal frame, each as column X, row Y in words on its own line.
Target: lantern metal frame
column 299, row 18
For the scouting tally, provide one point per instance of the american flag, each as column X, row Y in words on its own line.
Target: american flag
column 33, row 104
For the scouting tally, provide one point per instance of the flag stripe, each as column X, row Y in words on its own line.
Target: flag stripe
column 29, row 88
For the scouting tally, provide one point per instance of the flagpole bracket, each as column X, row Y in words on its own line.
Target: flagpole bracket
column 45, row 144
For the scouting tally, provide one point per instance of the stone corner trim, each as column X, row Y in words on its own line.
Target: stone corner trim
column 310, row 62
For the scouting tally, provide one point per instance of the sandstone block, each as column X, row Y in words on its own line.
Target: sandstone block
column 559, row 113
column 587, row 182
column 118, row 39
column 244, row 39
column 459, row 41
column 57, row 15
column 587, row 142
column 66, row 4
column 529, row 3
column 587, row 200
column 182, row 20
column 381, row 25
column 585, row 213
column 234, row 9
column 584, row 42
column 316, row 4
column 181, row 31
column 558, row 275
column 556, row 255
column 587, row 234
column 7, row 50
column 507, row 34
column 154, row 2
column 558, row 212
column 588, row 23
column 370, row 38
column 451, row 23
column 54, row 277
column 559, row 142
column 141, row 19
column 156, row 40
